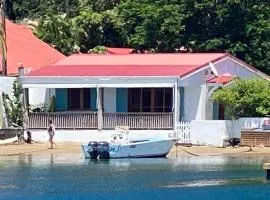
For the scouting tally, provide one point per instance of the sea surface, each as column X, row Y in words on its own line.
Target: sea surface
column 69, row 176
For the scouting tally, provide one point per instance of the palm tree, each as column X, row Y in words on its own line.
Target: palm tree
column 3, row 46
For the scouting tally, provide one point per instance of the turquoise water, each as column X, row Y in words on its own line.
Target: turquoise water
column 71, row 177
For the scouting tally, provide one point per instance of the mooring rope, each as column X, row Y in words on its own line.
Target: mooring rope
column 225, row 154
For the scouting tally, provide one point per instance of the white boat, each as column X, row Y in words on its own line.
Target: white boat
column 122, row 147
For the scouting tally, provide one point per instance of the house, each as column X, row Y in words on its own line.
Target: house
column 142, row 91
column 25, row 49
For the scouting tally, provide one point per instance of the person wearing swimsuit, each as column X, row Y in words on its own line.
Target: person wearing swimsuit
column 51, row 132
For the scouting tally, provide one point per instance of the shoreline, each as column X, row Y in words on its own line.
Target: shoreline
column 39, row 148
column 43, row 148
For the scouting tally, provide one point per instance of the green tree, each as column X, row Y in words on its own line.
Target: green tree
column 151, row 25
column 34, row 9
column 98, row 50
column 83, row 32
column 241, row 28
column 13, row 105
column 60, row 31
column 245, row 98
column 100, row 5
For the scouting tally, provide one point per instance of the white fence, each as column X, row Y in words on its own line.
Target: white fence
column 183, row 131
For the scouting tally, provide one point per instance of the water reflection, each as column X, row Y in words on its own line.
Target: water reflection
column 204, row 183
column 196, row 162
column 63, row 176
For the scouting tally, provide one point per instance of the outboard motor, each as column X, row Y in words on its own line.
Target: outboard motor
column 93, row 149
column 103, row 150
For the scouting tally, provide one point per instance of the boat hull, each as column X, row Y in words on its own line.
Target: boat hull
column 146, row 149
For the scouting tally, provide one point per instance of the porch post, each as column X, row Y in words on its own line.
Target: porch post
column 176, row 103
column 99, row 108
column 1, row 111
column 204, row 101
column 25, row 108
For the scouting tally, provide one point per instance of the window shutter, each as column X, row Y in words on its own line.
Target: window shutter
column 61, row 103
column 182, row 103
column 93, row 99
column 121, row 100
column 215, row 111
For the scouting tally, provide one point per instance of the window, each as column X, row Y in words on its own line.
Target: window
column 150, row 100
column 79, row 98
column 134, row 100
column 221, row 112
column 167, row 100
column 146, row 100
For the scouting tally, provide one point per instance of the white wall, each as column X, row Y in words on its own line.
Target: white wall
column 195, row 102
column 6, row 84
column 194, row 80
column 203, row 132
column 110, row 99
column 229, row 66
column 213, row 132
column 209, row 132
column 85, row 136
column 39, row 96
column 194, row 96
column 247, row 123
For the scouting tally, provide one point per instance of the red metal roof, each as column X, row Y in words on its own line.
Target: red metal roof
column 129, row 65
column 222, row 79
column 113, row 70
column 26, row 49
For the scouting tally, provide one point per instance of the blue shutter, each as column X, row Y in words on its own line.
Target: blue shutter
column 61, row 103
column 182, row 103
column 215, row 111
column 93, row 99
column 121, row 99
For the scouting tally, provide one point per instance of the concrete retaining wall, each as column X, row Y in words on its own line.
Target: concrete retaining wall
column 209, row 132
column 203, row 132
column 87, row 135
column 213, row 132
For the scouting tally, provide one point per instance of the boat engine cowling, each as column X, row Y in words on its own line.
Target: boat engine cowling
column 103, row 150
column 93, row 149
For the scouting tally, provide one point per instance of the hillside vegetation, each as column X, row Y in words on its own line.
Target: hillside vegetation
column 241, row 28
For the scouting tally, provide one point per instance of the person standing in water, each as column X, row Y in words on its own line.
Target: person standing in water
column 51, row 131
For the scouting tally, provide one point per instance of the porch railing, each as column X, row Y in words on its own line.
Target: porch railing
column 63, row 119
column 138, row 120
column 85, row 120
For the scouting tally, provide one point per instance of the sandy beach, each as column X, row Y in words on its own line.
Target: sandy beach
column 73, row 147
column 39, row 148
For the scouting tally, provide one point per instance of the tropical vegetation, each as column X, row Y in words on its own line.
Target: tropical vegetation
column 241, row 28
column 14, row 110
column 245, row 98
